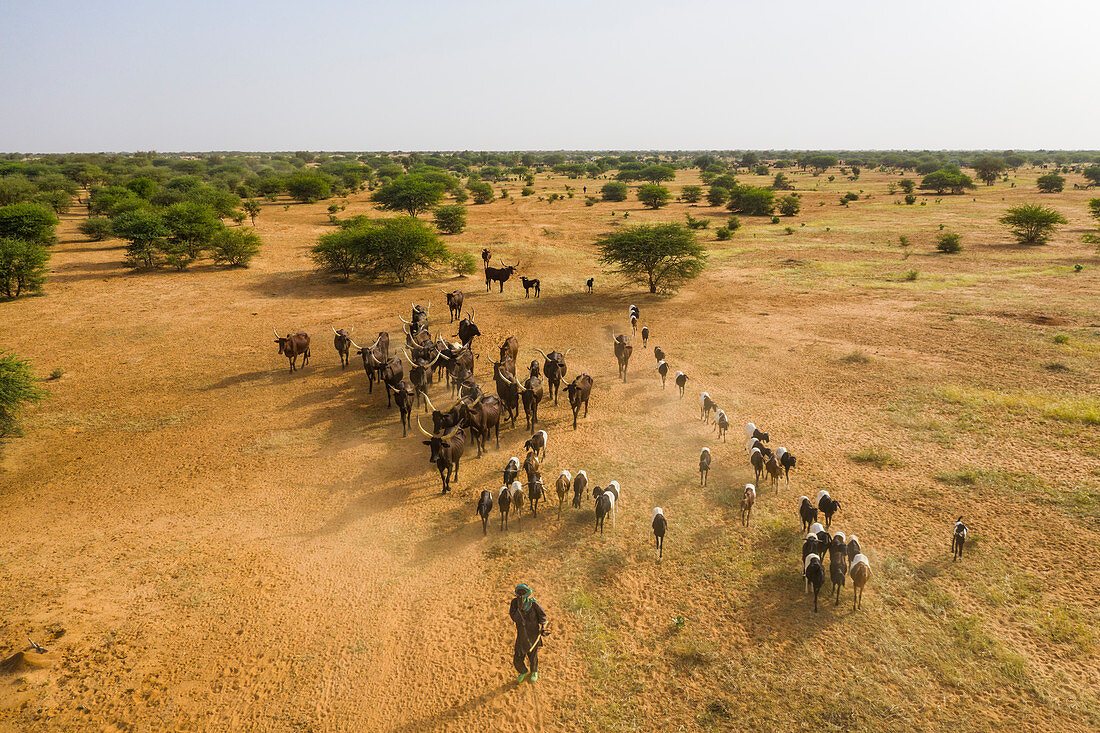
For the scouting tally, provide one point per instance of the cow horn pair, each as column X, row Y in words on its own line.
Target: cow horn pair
column 436, row 435
column 276, row 333
column 544, row 356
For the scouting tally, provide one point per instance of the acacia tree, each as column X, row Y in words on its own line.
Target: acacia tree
column 1032, row 223
column 401, row 248
column 410, row 194
column 656, row 173
column 988, row 168
column 252, row 208
column 614, row 191
column 691, row 194
column 654, row 196
column 662, row 256
column 23, row 266
column 1051, row 183
column 18, row 388
column 946, row 178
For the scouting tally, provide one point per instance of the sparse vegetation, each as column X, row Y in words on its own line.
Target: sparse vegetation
column 18, row 389
column 662, row 256
column 948, row 243
column 1032, row 223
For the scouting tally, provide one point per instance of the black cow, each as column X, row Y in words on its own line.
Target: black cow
column 532, row 396
column 467, row 329
column 293, row 346
column 554, row 369
column 405, row 397
column 507, row 390
column 446, row 452
column 482, row 417
column 484, row 507
column 393, row 371
column 374, row 358
column 498, row 275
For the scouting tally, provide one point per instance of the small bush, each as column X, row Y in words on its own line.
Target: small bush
column 1060, row 338
column 693, row 223
column 463, row 263
column 912, row 275
column 450, row 218
column 57, row 373
column 96, row 228
column 733, row 223
column 910, row 199
column 949, row 242
column 775, row 220
column 526, row 191
column 903, row 241
column 614, row 191
column 788, row 230
column 722, row 233
column 17, row 390
column 789, row 205
column 23, row 266
column 234, row 247
column 873, row 456
column 691, row 194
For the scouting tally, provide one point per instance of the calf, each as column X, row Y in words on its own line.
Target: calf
column 721, row 424
column 588, row 284
column 815, row 575
column 484, row 508
column 515, row 491
column 454, row 302
column 562, row 486
column 837, row 573
column 293, row 346
column 662, row 370
column 681, row 382
column 529, row 285
column 342, row 341
column 807, row 511
column 605, row 504
column 504, row 503
column 645, row 336
column 772, row 467
column 579, row 391
column 827, row 505
column 704, row 466
column 580, row 485
column 861, row 573
column 660, row 526
column 756, row 458
column 746, row 504
column 958, row 539
column 537, row 444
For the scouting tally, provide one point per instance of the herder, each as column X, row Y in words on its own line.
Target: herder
column 530, row 628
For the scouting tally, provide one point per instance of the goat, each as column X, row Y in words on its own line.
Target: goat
column 516, row 492
column 634, row 324
column 852, row 548
column 823, row 538
column 757, row 445
column 958, row 539
column 861, row 573
column 645, row 336
column 757, row 461
column 484, row 508
column 787, row 461
column 580, row 485
column 721, row 424
column 752, row 432
column 807, row 511
column 681, row 382
column 504, row 504
column 535, row 491
column 837, row 570
column 838, row 545
column 605, row 504
column 746, row 504
column 511, row 471
column 809, row 547
column 660, row 526
column 827, row 505
column 565, row 482
column 659, row 353
column 815, row 575
column 531, row 466
column 772, row 467
column 537, row 444
column 588, row 285
column 662, row 369
column 706, row 405
column 704, row 466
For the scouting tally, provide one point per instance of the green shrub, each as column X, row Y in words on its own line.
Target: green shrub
column 1032, row 223
column 96, row 228
column 789, row 205
column 23, row 266
column 733, row 223
column 653, row 195
column 949, row 242
column 463, row 263
column 481, row 192
column 450, row 218
column 309, row 186
column 234, row 247
column 910, row 199
column 722, row 233
column 614, row 191
column 29, row 222
column 526, row 191
column 775, row 220
column 716, row 195
column 1051, row 183
column 693, row 223
column 18, row 389
column 691, row 194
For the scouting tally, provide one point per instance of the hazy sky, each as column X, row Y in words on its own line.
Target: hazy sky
column 102, row 75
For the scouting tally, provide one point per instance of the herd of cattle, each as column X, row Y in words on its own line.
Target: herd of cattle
column 475, row 415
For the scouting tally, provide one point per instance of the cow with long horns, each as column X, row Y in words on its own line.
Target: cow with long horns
column 374, row 358
column 420, row 374
column 498, row 275
column 508, row 389
column 482, row 417
column 623, row 350
column 419, row 320
column 393, row 371
column 342, row 341
column 293, row 346
column 446, row 452
column 467, row 329
column 554, row 369
column 531, row 395
column 405, row 397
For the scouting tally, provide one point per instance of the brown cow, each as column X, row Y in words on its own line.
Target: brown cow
column 293, row 346
column 342, row 341
column 579, row 390
column 482, row 418
column 454, row 302
column 623, row 350
column 554, row 369
column 446, row 452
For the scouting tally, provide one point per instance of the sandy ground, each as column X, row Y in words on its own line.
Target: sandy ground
column 203, row 541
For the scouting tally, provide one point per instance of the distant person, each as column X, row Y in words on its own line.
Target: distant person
column 530, row 628
column 584, row 189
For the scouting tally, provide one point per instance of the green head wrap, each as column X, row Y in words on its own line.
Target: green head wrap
column 526, row 594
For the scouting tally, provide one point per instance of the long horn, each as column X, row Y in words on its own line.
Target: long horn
column 357, row 346
column 566, row 353
column 437, row 355
column 405, row 329
column 429, row 399
column 376, row 341
column 275, row 332
column 335, row 331
column 429, row 305
column 407, row 356
column 502, row 262
column 450, row 435
column 544, row 356
column 351, row 331
column 430, row 435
